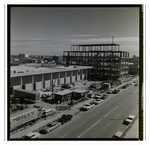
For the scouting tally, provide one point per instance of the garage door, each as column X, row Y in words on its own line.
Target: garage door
column 29, row 87
column 47, row 84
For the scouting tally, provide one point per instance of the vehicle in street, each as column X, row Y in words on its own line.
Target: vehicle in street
column 116, row 91
column 118, row 135
column 48, row 112
column 105, row 96
column 33, row 135
column 98, row 96
column 110, row 91
column 65, row 118
column 136, row 84
column 43, row 131
column 87, row 106
column 97, row 101
column 128, row 120
column 53, row 126
column 131, row 117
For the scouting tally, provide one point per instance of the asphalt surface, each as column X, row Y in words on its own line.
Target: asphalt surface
column 102, row 121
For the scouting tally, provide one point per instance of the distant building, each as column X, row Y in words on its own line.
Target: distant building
column 107, row 60
column 133, row 69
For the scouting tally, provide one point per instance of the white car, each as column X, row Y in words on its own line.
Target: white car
column 33, row 135
column 87, row 106
column 110, row 91
column 98, row 96
column 97, row 101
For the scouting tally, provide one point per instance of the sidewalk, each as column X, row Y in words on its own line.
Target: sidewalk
column 74, row 110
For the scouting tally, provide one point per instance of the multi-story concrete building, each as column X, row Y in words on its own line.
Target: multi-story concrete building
column 107, row 60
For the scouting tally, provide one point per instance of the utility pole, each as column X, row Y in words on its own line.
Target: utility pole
column 112, row 39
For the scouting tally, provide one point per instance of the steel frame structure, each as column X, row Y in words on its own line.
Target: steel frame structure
column 107, row 60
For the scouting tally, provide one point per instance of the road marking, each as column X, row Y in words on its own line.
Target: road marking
column 89, row 128
column 97, row 113
column 81, row 123
column 111, row 111
column 107, row 106
column 95, row 136
column 107, row 125
column 136, row 91
column 118, row 115
column 126, row 107
column 64, row 135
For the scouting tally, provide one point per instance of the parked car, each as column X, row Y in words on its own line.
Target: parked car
column 109, row 91
column 98, row 96
column 136, row 84
column 97, row 101
column 33, row 135
column 105, row 96
column 53, row 126
column 65, row 118
column 87, row 106
column 43, row 131
column 65, row 86
column 116, row 91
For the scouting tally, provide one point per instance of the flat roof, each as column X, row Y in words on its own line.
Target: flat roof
column 64, row 92
column 27, row 91
column 80, row 91
column 97, row 45
column 21, row 112
column 41, row 70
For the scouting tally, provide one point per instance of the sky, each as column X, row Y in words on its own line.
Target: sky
column 51, row 30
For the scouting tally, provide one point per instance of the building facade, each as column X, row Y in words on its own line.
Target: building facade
column 46, row 79
column 107, row 60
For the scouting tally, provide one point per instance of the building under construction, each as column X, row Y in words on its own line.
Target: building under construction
column 107, row 60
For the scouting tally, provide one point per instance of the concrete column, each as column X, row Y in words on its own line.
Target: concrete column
column 32, row 83
column 86, row 74
column 65, row 77
column 71, row 76
column 42, row 81
column 58, row 79
column 20, row 82
column 51, row 81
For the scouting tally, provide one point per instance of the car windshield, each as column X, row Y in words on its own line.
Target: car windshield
column 87, row 105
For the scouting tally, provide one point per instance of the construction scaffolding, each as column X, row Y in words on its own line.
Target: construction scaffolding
column 107, row 60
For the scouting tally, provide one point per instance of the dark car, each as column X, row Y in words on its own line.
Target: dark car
column 65, row 118
column 116, row 91
column 43, row 131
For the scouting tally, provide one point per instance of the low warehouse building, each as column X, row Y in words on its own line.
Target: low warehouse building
column 79, row 93
column 23, row 94
column 39, row 78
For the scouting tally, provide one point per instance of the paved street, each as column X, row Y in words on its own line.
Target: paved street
column 103, row 120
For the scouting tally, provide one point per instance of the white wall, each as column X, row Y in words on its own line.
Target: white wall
column 78, row 77
column 16, row 87
column 73, row 78
column 61, row 81
column 83, row 77
column 67, row 79
column 29, row 87
column 38, row 85
column 47, row 84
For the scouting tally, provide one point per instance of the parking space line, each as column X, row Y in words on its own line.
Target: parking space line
column 118, row 115
column 107, row 125
column 126, row 107
column 97, row 113
column 64, row 135
column 81, row 123
column 136, row 91
column 89, row 128
column 111, row 111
